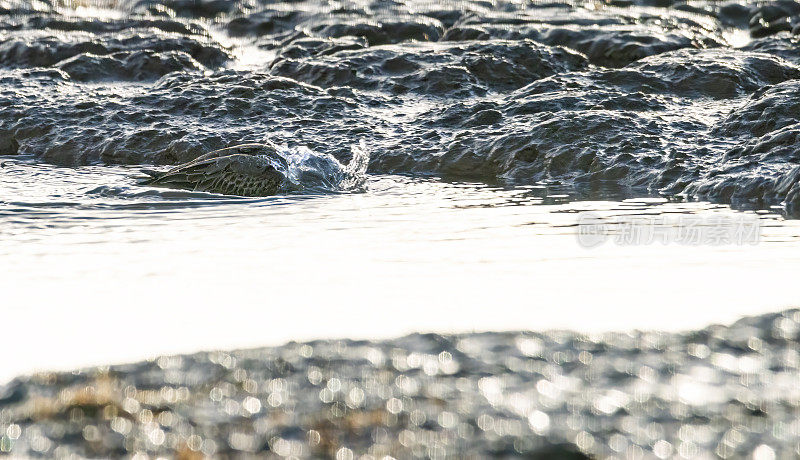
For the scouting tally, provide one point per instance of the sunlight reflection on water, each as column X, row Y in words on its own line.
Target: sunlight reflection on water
column 97, row 268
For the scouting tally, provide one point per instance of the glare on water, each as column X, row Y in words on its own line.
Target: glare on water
column 116, row 272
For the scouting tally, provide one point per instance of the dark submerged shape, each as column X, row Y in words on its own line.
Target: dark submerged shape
column 244, row 170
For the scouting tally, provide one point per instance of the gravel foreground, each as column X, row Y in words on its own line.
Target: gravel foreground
column 720, row 392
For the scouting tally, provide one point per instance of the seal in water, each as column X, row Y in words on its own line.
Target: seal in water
column 244, row 170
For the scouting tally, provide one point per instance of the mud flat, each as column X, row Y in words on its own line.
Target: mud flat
column 663, row 97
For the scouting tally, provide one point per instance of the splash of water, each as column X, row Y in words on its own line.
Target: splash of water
column 310, row 171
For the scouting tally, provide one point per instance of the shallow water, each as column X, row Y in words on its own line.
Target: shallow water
column 117, row 272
